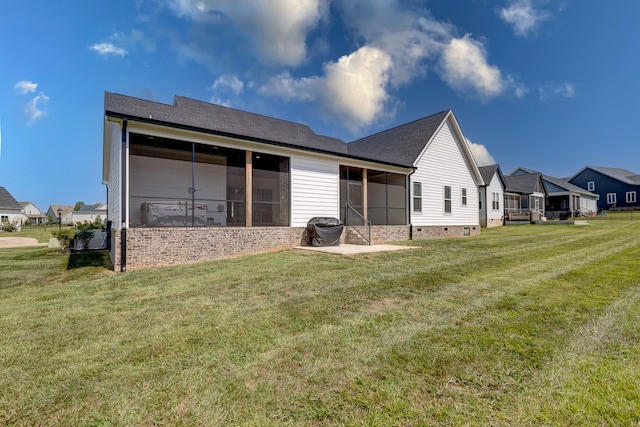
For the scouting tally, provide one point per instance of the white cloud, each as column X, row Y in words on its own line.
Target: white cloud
column 523, row 16
column 228, row 82
column 353, row 89
column 563, row 90
column 464, row 67
column 25, row 86
column 108, row 49
column 34, row 109
column 277, row 28
column 481, row 154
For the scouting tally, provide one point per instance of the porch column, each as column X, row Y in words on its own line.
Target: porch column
column 365, row 204
column 248, row 192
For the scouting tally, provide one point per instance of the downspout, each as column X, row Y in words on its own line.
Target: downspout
column 409, row 203
column 123, row 198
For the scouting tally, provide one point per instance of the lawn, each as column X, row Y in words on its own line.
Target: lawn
column 526, row 325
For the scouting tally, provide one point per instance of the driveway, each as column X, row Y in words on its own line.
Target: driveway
column 19, row 242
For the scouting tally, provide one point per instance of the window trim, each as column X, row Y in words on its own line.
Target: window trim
column 463, row 196
column 591, row 186
column 611, row 198
column 448, row 209
column 631, row 197
column 495, row 203
column 417, row 196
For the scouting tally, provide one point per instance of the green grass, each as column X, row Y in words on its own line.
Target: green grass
column 527, row 325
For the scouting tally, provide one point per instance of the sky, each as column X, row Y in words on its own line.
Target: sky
column 549, row 85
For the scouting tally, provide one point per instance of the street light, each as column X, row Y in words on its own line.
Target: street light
column 59, row 218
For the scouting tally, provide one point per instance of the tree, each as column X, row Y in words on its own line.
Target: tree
column 78, row 205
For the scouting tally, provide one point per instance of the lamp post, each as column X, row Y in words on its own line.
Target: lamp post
column 59, row 218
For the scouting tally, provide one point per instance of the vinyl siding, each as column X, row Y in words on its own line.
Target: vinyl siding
column 114, row 175
column 314, row 189
column 443, row 164
column 495, row 187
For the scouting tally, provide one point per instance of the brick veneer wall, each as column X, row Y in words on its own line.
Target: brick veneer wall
column 150, row 247
column 429, row 232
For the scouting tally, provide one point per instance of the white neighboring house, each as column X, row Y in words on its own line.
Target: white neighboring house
column 33, row 213
column 491, row 196
column 89, row 213
column 10, row 209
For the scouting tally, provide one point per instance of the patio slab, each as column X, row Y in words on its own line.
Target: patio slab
column 355, row 249
column 19, row 242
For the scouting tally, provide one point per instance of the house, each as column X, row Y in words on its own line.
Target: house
column 65, row 215
column 491, row 196
column 33, row 213
column 89, row 213
column 193, row 181
column 524, row 198
column 10, row 209
column 618, row 188
column 564, row 200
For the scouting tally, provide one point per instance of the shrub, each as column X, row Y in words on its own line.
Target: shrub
column 9, row 226
column 85, row 235
column 64, row 236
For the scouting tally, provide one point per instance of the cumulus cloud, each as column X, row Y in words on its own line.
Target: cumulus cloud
column 228, row 82
column 34, row 109
column 108, row 49
column 464, row 67
column 354, row 88
column 563, row 90
column 25, row 86
column 481, row 154
column 523, row 16
column 277, row 28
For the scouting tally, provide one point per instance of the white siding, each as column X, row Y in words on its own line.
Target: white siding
column 443, row 164
column 495, row 187
column 314, row 189
column 114, row 175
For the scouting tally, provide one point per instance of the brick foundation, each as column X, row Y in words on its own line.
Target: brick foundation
column 153, row 247
column 430, row 232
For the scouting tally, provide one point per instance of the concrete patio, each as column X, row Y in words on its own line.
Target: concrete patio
column 355, row 249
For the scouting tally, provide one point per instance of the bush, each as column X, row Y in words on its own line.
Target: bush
column 64, row 236
column 9, row 226
column 85, row 236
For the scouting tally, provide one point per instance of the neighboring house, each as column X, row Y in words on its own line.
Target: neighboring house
column 89, row 213
column 491, row 196
column 33, row 213
column 194, row 181
column 524, row 197
column 67, row 214
column 564, row 200
column 10, row 209
column 617, row 188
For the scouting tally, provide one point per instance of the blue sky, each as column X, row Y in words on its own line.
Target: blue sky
column 548, row 85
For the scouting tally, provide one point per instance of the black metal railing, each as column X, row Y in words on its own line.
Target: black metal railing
column 358, row 223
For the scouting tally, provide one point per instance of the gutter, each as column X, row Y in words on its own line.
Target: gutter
column 123, row 198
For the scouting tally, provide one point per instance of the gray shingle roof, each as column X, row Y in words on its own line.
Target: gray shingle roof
column 560, row 182
column 400, row 145
column 204, row 116
column 620, row 174
column 7, row 201
column 487, row 173
column 523, row 184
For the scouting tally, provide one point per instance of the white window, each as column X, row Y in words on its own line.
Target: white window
column 631, row 196
column 591, row 186
column 464, row 197
column 447, row 199
column 611, row 198
column 495, row 204
column 417, row 197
